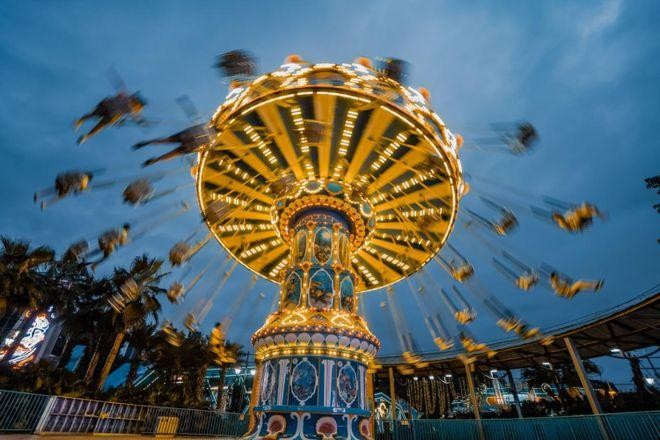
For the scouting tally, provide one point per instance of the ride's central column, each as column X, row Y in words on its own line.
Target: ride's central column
column 313, row 352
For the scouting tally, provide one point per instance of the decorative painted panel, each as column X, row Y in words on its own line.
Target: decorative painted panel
column 268, row 384
column 304, row 382
column 292, row 290
column 347, row 293
column 323, row 245
column 321, row 289
column 300, row 246
column 347, row 384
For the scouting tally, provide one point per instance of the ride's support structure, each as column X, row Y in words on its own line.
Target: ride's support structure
column 586, row 385
column 514, row 390
column 326, row 223
column 392, row 395
column 582, row 374
column 473, row 396
column 370, row 396
column 254, row 396
column 314, row 351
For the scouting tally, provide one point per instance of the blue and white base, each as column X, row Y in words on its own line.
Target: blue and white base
column 312, row 397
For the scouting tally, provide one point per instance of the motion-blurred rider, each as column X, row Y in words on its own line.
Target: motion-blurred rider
column 69, row 183
column 113, row 110
column 578, row 218
column 568, row 288
column 190, row 140
column 110, row 240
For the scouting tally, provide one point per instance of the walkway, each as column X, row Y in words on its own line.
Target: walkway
column 76, row 437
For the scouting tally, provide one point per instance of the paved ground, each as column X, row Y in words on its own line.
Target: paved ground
column 74, row 437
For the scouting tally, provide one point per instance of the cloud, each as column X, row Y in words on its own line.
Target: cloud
column 604, row 19
column 592, row 52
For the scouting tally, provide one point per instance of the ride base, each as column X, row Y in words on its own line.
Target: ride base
column 314, row 351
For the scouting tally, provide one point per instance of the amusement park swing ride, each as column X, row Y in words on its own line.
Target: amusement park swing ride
column 331, row 180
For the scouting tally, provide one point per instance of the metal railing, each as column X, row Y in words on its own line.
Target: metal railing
column 36, row 413
column 198, row 422
column 27, row 413
column 621, row 426
column 20, row 412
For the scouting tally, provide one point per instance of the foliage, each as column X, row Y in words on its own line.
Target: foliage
column 23, row 280
column 654, row 183
column 561, row 374
column 33, row 279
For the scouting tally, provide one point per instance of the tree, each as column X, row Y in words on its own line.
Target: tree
column 560, row 374
column 70, row 286
column 23, row 283
column 641, row 389
column 196, row 356
column 98, row 332
column 570, row 376
column 165, row 361
column 654, row 183
column 141, row 305
column 179, row 371
column 140, row 340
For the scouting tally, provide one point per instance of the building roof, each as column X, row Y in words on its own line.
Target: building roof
column 630, row 326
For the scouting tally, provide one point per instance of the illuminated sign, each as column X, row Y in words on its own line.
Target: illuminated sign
column 31, row 340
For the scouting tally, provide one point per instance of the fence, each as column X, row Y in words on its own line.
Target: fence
column 621, row 426
column 27, row 413
column 20, row 412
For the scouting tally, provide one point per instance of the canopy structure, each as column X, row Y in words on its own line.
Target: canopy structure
column 334, row 135
column 630, row 326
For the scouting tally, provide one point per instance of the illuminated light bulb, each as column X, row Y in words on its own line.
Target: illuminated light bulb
column 365, row 62
column 293, row 58
column 425, row 93
column 459, row 140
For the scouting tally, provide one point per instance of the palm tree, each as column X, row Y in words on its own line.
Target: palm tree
column 140, row 340
column 196, row 356
column 165, row 361
column 81, row 328
column 70, row 288
column 145, row 273
column 98, row 332
column 23, row 283
column 95, row 327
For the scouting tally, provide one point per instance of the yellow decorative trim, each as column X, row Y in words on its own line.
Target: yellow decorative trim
column 315, row 200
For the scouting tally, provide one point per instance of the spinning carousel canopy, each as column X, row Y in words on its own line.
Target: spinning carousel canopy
column 340, row 136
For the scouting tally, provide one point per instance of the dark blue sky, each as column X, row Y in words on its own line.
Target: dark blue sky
column 585, row 73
